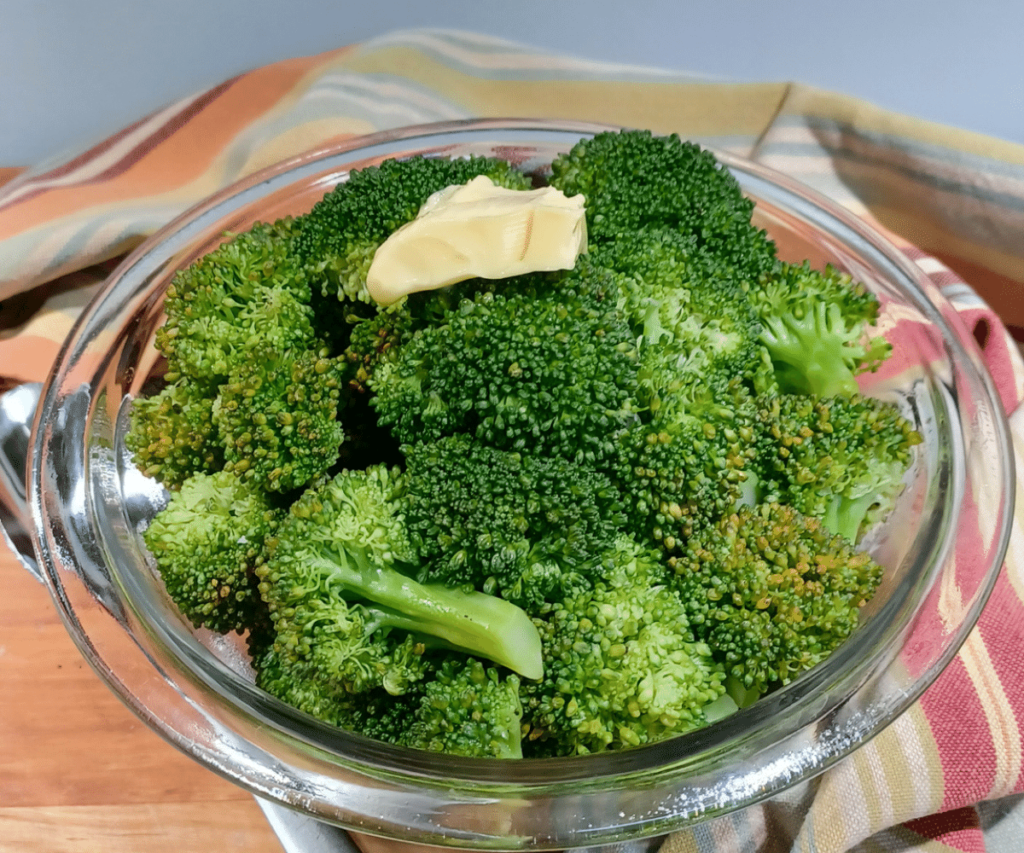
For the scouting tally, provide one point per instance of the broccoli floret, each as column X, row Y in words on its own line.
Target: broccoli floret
column 841, row 459
column 372, row 340
column 461, row 707
column 816, row 327
column 622, row 667
column 344, row 545
column 372, row 710
column 339, row 236
column 505, row 522
column 772, row 591
column 468, row 708
column 250, row 387
column 297, row 684
column 687, row 306
column 546, row 364
column 277, row 415
column 348, row 646
column 682, row 463
column 252, row 287
column 208, row 542
column 172, row 436
column 633, row 179
column 685, row 465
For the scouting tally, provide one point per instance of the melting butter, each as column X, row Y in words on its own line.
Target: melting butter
column 480, row 230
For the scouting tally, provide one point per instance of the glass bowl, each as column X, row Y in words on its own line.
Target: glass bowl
column 942, row 547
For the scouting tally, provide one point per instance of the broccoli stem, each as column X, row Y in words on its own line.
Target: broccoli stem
column 472, row 621
column 846, row 515
column 808, row 359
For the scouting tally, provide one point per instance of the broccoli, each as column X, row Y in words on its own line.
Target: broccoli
column 337, row 239
column 700, row 359
column 633, row 180
column 816, row 326
column 250, row 389
column 341, row 568
column 505, row 522
column 547, row 363
column 277, row 415
column 622, row 666
column 772, row 591
column 687, row 307
column 372, row 340
column 468, row 708
column 250, row 288
column 461, row 707
column 686, row 467
column 841, row 459
column 372, row 709
column 172, row 435
column 208, row 543
column 555, row 514
column 296, row 684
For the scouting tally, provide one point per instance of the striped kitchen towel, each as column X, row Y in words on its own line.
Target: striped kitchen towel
column 953, row 200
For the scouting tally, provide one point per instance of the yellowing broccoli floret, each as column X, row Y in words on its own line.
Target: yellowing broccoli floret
column 772, row 591
column 840, row 459
column 622, row 666
column 172, row 435
column 277, row 416
column 208, row 543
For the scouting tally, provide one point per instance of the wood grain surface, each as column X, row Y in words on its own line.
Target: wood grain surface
column 78, row 771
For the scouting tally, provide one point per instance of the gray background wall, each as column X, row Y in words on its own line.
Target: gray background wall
column 72, row 71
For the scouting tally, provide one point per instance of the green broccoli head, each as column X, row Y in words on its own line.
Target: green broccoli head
column 208, row 542
column 372, row 341
column 841, row 459
column 686, row 465
column 345, row 542
column 297, row 683
column 688, row 309
column 373, row 712
column 816, row 326
column 505, row 522
column 622, row 665
column 277, row 415
column 470, row 709
column 351, row 645
column 460, row 707
column 172, row 436
column 546, row 364
column 633, row 179
column 772, row 591
column 339, row 236
column 251, row 287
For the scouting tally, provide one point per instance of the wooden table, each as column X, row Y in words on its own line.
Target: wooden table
column 78, row 771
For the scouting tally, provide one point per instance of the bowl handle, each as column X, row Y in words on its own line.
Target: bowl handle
column 17, row 411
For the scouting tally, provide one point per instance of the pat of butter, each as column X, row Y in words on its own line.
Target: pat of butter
column 480, row 230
